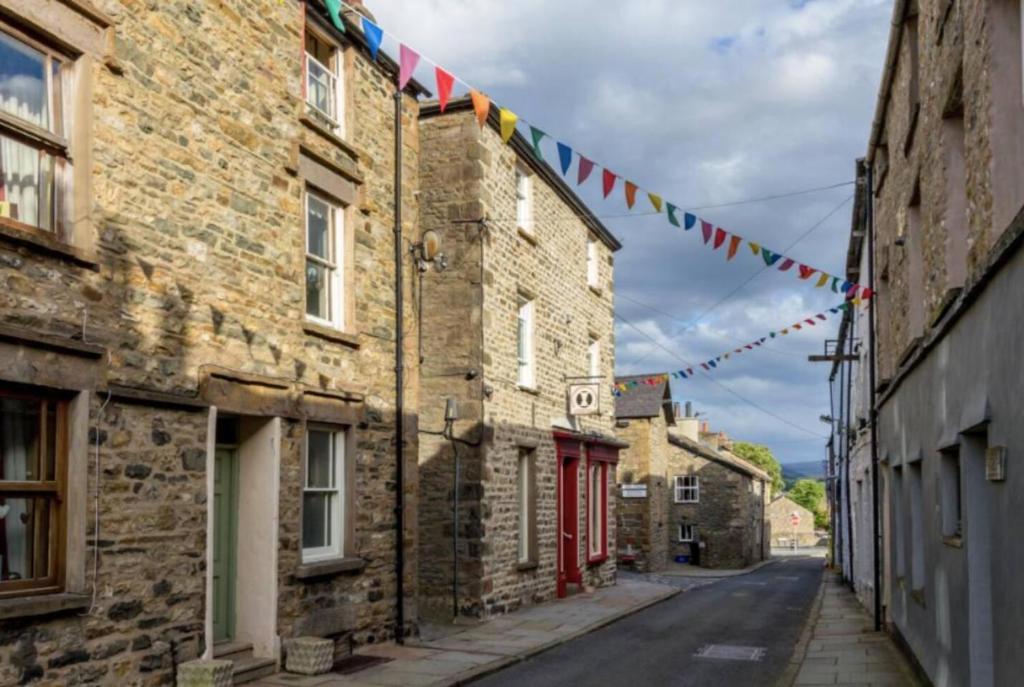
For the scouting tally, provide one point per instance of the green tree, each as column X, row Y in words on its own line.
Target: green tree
column 761, row 456
column 810, row 494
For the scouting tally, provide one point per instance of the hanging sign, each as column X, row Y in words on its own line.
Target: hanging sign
column 583, row 399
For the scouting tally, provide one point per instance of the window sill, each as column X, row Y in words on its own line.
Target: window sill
column 335, row 335
column 44, row 604
column 527, row 566
column 333, row 566
column 597, row 560
column 14, row 231
column 311, row 123
column 953, row 542
column 596, row 290
column 532, row 390
column 529, row 236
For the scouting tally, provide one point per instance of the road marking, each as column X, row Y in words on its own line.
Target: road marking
column 731, row 652
column 787, row 577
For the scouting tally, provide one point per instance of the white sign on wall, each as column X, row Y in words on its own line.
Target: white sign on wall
column 634, row 491
column 583, row 399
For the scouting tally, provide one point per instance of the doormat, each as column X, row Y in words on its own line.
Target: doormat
column 731, row 652
column 355, row 663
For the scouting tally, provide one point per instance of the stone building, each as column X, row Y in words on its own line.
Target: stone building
column 944, row 181
column 682, row 492
column 197, row 394
column 792, row 524
column 523, row 310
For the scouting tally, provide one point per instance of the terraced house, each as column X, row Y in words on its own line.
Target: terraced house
column 197, row 388
column 523, row 310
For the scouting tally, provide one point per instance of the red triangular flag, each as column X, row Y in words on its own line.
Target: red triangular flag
column 630, row 194
column 608, row 182
column 445, row 81
column 806, row 272
column 707, row 228
column 734, row 243
column 482, row 105
column 720, row 235
column 585, row 168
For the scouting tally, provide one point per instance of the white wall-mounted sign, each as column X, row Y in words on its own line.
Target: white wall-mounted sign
column 634, row 491
column 583, row 399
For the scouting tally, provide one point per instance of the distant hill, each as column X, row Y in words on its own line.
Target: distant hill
column 811, row 469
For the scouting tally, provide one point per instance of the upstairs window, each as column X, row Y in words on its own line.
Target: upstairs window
column 524, row 199
column 33, row 140
column 324, row 85
column 527, row 373
column 593, row 276
column 687, row 489
column 594, row 358
column 324, row 286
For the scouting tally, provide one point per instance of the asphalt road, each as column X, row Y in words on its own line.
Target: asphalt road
column 765, row 609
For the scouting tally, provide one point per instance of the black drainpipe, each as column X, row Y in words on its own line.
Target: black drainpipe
column 399, row 385
column 873, row 413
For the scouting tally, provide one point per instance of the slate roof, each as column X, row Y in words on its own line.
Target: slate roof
column 644, row 400
column 726, row 458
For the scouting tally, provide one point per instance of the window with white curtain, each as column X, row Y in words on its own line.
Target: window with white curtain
column 33, row 132
column 593, row 274
column 324, row 282
column 524, row 338
column 524, row 199
column 323, row 495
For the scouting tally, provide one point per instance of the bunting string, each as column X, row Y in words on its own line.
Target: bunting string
column 715, row 238
column 712, row 363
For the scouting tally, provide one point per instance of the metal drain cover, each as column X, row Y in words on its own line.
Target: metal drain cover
column 731, row 652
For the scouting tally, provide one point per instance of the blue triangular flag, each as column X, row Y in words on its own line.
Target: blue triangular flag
column 690, row 221
column 682, row 374
column 565, row 157
column 374, row 36
column 770, row 258
column 847, row 285
column 712, row 363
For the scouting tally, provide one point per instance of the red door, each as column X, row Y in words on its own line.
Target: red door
column 568, row 515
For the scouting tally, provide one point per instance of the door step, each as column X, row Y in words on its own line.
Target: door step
column 246, row 666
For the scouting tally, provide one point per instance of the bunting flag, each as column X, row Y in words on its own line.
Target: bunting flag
column 712, row 363
column 508, row 120
column 537, row 135
column 630, row 194
column 734, row 243
column 374, row 36
column 445, row 81
column 481, row 105
column 407, row 61
column 334, row 10
column 585, row 168
column 608, row 181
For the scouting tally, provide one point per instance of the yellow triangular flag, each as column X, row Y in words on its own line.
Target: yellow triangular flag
column 822, row 280
column 755, row 248
column 508, row 124
column 655, row 201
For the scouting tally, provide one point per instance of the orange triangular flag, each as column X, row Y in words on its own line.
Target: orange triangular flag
column 482, row 105
column 630, row 194
column 734, row 243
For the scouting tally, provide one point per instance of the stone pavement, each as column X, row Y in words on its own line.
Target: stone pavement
column 842, row 647
column 455, row 655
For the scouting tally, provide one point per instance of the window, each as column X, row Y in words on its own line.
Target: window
column 33, row 144
column 898, row 521
column 324, row 86
column 686, row 534
column 524, row 199
column 597, row 511
column 324, row 297
column 687, row 489
column 593, row 274
column 323, row 495
column 955, row 218
column 527, row 375
column 951, row 492
column 32, row 475
column 914, row 85
column 594, row 358
column 916, row 527
column 527, row 509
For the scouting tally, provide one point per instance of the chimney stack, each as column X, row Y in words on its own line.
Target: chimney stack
column 689, row 409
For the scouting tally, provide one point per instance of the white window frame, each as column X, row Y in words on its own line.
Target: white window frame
column 687, row 489
column 593, row 271
column 597, row 528
column 337, row 505
column 594, row 358
column 524, row 495
column 524, row 199
column 525, row 354
column 335, row 85
column 334, row 263
column 682, row 531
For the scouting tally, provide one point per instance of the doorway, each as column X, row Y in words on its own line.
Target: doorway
column 568, row 455
column 225, row 542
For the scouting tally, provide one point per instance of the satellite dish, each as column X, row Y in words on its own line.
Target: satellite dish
column 431, row 245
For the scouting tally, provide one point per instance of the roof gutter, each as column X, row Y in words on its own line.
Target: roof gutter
column 899, row 11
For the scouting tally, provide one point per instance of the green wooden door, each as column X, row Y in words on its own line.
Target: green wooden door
column 225, row 535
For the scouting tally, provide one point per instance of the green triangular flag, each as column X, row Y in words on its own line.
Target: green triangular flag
column 537, row 135
column 334, row 9
column 672, row 214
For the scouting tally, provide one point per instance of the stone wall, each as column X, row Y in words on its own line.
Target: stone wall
column 195, row 262
column 644, row 522
column 469, row 354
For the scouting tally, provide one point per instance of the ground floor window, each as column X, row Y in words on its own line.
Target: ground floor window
column 33, row 446
column 597, row 510
column 526, row 500
column 323, row 495
column 686, row 533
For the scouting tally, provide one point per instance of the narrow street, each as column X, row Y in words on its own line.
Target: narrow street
column 766, row 609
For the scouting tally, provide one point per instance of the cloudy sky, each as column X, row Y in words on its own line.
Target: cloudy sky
column 706, row 103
